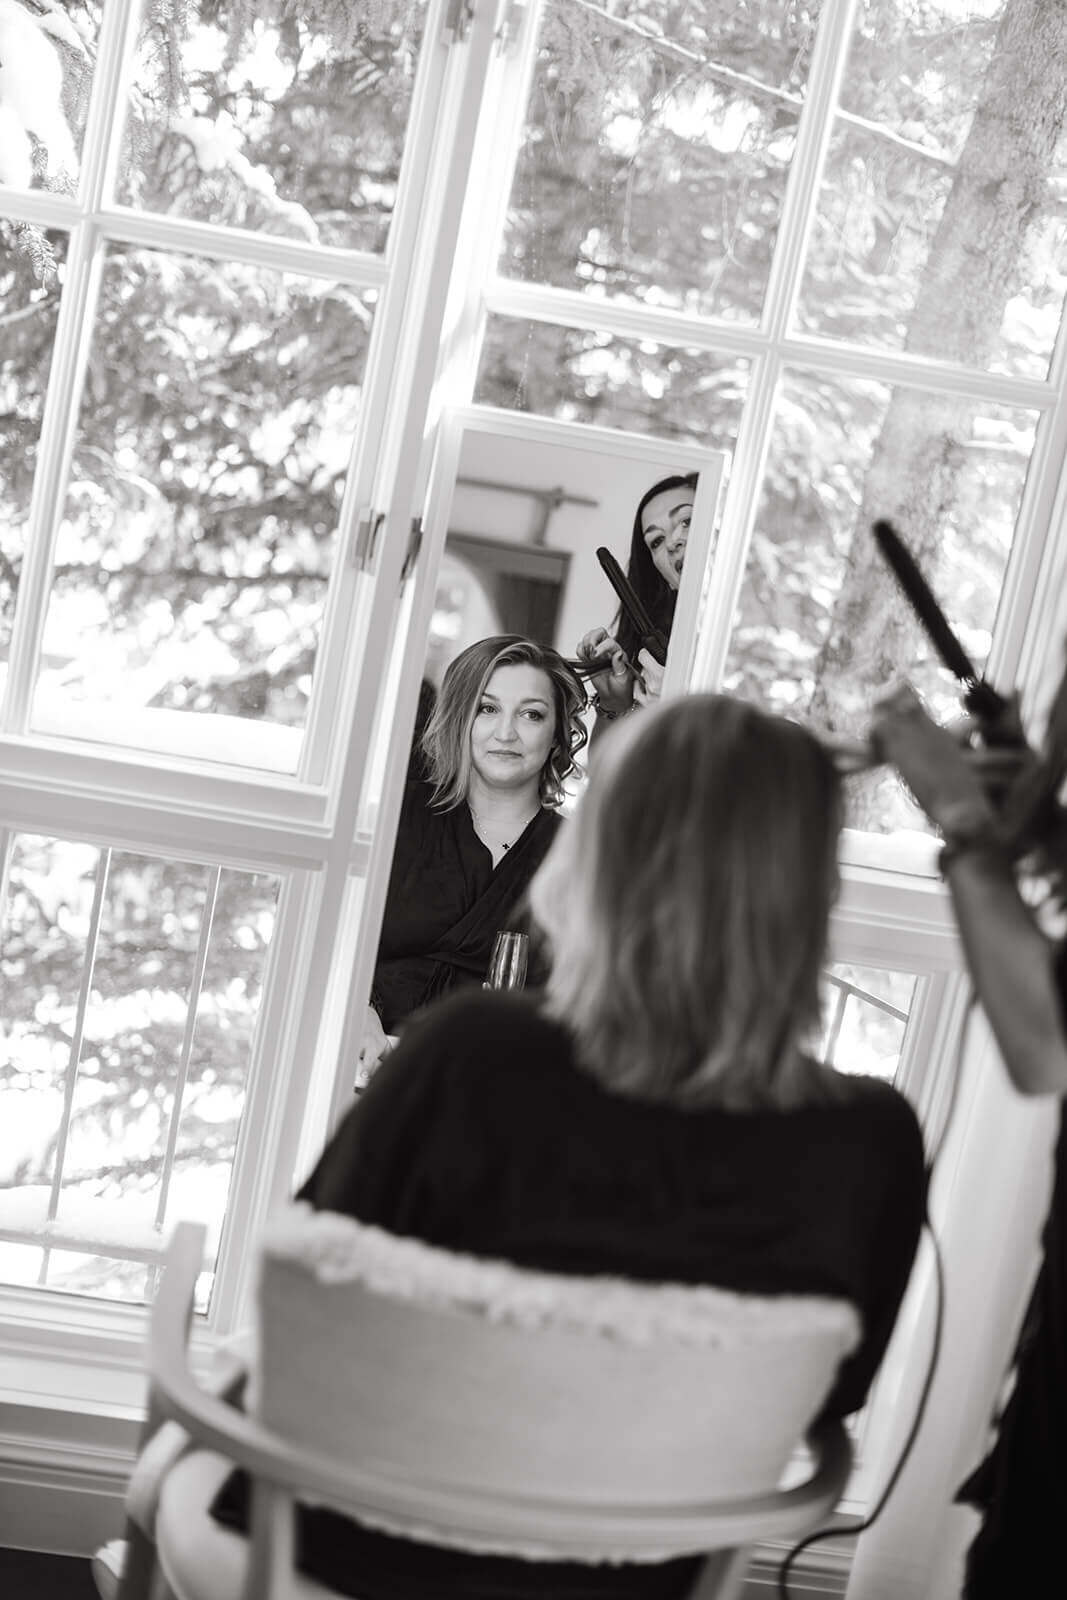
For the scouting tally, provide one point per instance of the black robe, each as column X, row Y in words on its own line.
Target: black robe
column 1021, row 1487
column 446, row 903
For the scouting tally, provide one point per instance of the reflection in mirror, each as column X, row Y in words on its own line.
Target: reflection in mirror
column 530, row 504
column 509, row 584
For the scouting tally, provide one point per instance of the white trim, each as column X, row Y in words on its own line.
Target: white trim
column 988, row 1197
column 223, row 242
column 404, row 451
column 38, row 206
column 66, row 1500
column 572, row 308
column 277, row 1087
column 886, row 919
column 390, row 400
column 814, row 131
column 168, row 812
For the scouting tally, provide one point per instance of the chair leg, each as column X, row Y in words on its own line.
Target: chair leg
column 139, row 1566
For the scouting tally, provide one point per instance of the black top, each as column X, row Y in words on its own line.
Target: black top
column 484, row 1135
column 446, row 903
column 481, row 1133
column 1021, row 1487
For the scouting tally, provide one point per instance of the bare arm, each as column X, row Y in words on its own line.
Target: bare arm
column 1012, row 964
column 1011, row 961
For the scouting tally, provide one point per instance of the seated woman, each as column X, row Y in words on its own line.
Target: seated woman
column 501, row 740
column 655, row 1112
column 657, row 554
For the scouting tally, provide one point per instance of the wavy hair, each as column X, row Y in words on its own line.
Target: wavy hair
column 446, row 743
column 687, row 905
column 658, row 597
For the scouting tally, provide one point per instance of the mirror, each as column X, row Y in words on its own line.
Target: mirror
column 518, row 507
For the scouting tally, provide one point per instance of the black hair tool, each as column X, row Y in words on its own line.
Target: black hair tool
column 653, row 639
column 980, row 698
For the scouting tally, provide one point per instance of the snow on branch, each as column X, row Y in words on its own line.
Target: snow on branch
column 31, row 88
column 217, row 147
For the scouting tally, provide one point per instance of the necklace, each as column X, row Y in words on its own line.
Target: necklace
column 486, row 834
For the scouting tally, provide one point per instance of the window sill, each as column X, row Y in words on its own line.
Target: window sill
column 893, row 909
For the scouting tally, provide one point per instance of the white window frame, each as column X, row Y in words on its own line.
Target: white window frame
column 302, row 826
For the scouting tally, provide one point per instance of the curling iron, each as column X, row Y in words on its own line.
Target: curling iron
column 1028, row 805
column 979, row 697
column 652, row 639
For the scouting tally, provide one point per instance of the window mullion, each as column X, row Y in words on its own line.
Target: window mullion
column 367, row 620
column 1029, row 614
column 396, row 400
column 69, row 361
column 500, row 133
column 783, row 285
column 814, row 132
column 103, row 868
column 207, row 917
column 738, row 520
column 158, row 231
column 58, row 424
column 627, row 319
column 238, row 830
column 277, row 1085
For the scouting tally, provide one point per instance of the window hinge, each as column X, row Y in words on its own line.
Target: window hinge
column 365, row 543
column 459, row 14
column 414, row 546
column 511, row 21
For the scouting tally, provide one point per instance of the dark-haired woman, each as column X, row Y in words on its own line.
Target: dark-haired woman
column 657, row 553
column 499, row 745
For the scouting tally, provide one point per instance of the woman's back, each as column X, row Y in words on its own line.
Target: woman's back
column 483, row 1134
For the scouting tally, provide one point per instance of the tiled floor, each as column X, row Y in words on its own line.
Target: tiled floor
column 27, row 1576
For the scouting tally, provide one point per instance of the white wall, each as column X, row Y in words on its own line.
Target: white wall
column 617, row 486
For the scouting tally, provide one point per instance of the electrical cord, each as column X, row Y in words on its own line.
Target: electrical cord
column 822, row 1534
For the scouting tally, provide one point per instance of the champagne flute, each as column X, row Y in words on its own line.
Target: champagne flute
column 507, row 964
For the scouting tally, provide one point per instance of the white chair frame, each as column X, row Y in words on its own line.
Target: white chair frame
column 494, row 1373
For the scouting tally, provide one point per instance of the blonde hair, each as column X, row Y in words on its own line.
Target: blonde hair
column 446, row 743
column 687, row 904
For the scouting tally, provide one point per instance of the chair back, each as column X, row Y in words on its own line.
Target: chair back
column 531, row 1411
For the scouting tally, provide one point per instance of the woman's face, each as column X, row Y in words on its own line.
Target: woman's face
column 665, row 524
column 514, row 727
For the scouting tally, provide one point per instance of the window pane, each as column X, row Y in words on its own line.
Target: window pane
column 49, row 53
column 940, row 226
column 656, row 151
column 581, row 375
column 209, row 464
column 822, row 628
column 132, row 987
column 865, row 1017
column 30, row 264
column 275, row 117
